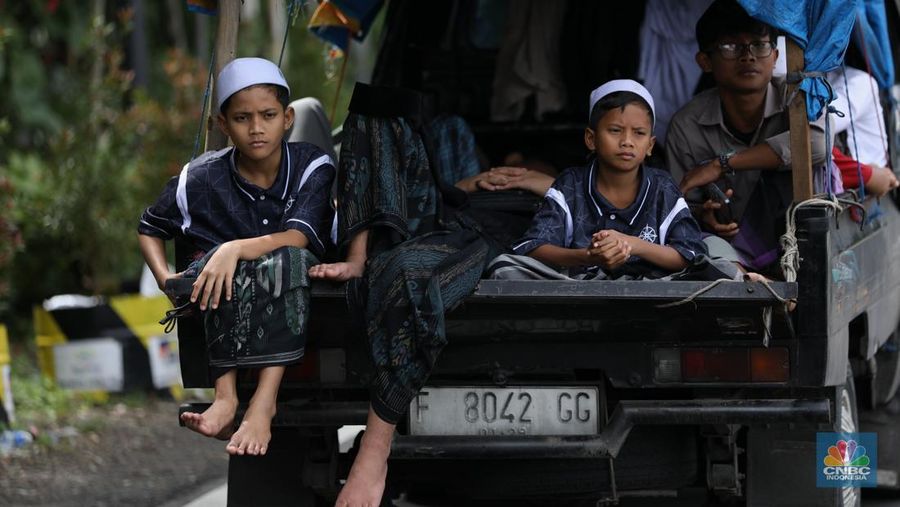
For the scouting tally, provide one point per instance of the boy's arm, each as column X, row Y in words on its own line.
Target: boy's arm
column 218, row 273
column 154, row 251
column 560, row 256
column 607, row 252
column 663, row 256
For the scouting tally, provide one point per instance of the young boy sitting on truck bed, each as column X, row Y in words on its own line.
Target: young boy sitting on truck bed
column 245, row 202
column 614, row 216
column 737, row 134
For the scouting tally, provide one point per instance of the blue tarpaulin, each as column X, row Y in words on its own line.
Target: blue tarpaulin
column 871, row 36
column 821, row 28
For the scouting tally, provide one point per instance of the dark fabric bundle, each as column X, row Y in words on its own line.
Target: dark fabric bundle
column 425, row 255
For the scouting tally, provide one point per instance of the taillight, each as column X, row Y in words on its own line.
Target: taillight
column 751, row 364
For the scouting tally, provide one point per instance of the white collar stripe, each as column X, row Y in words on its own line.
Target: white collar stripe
column 241, row 188
column 237, row 175
column 287, row 179
column 638, row 211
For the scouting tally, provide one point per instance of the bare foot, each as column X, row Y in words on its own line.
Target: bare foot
column 216, row 421
column 754, row 277
column 338, row 271
column 365, row 483
column 254, row 433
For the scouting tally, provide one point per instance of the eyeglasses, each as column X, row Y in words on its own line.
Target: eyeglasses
column 731, row 51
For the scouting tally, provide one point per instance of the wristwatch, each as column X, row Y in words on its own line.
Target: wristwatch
column 723, row 162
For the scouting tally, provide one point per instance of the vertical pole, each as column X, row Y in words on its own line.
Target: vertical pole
column 801, row 156
column 229, row 12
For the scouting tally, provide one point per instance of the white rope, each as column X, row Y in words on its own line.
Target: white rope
column 790, row 259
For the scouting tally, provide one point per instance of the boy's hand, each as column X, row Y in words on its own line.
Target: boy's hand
column 610, row 249
column 709, row 221
column 217, row 276
column 500, row 178
column 161, row 283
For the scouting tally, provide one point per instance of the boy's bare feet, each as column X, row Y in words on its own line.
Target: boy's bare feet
column 338, row 271
column 216, row 421
column 754, row 277
column 255, row 431
column 365, row 482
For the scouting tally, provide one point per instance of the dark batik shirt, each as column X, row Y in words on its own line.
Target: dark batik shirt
column 210, row 203
column 573, row 210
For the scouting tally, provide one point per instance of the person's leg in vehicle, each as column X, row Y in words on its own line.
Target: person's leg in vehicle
column 217, row 420
column 353, row 267
column 254, row 433
column 365, row 482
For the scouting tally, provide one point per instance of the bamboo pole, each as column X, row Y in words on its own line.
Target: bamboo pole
column 801, row 156
column 229, row 12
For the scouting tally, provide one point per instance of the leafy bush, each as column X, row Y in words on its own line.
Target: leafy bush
column 86, row 170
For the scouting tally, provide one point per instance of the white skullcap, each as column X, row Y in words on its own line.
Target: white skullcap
column 243, row 72
column 621, row 85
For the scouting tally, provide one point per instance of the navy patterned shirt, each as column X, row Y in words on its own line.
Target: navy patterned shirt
column 573, row 210
column 211, row 203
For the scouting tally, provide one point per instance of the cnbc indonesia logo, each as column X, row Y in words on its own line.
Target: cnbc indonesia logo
column 846, row 461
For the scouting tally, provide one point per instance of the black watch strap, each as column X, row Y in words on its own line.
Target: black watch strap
column 726, row 167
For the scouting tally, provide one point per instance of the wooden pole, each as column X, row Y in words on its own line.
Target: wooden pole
column 801, row 156
column 226, row 44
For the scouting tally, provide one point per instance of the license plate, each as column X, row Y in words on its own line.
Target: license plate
column 489, row 411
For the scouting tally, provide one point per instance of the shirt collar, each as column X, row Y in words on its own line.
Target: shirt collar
column 278, row 189
column 605, row 208
column 712, row 108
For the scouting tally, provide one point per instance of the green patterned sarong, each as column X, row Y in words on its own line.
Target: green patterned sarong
column 264, row 324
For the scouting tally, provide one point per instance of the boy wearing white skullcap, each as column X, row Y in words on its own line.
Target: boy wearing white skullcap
column 245, row 202
column 614, row 216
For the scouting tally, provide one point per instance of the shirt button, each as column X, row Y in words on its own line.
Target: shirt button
column 265, row 221
column 262, row 198
column 612, row 217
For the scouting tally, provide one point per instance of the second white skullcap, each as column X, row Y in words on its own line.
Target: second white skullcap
column 622, row 85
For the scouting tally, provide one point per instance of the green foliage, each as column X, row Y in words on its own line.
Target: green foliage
column 39, row 402
column 90, row 159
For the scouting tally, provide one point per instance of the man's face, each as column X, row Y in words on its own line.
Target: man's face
column 741, row 63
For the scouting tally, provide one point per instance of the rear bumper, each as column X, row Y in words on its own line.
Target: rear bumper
column 607, row 443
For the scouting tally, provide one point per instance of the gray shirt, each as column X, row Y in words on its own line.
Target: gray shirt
column 697, row 134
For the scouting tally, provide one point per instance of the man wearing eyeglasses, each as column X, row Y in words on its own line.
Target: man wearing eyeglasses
column 736, row 136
